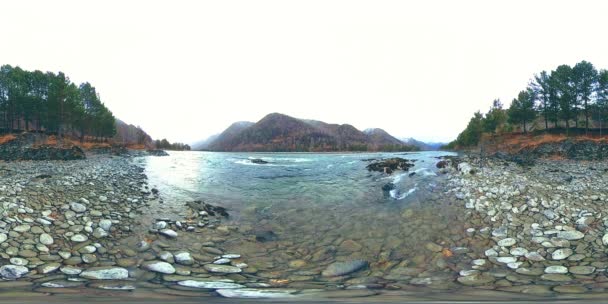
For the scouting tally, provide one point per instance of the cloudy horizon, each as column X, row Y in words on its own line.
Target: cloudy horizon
column 185, row 70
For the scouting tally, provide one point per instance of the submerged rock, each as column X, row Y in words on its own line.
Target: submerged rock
column 105, row 273
column 222, row 268
column 159, row 266
column 388, row 166
column 210, row 284
column 265, row 236
column 258, row 161
column 343, row 268
column 250, row 293
column 13, row 272
column 200, row 206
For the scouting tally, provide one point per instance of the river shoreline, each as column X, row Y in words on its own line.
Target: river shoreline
column 81, row 227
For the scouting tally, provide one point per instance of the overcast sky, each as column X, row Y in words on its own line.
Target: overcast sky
column 187, row 69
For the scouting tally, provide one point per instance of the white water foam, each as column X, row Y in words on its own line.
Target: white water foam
column 425, row 172
column 399, row 196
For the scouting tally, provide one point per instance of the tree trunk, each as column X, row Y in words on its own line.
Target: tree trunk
column 586, row 119
column 525, row 131
column 546, row 122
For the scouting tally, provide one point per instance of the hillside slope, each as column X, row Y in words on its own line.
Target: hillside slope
column 281, row 133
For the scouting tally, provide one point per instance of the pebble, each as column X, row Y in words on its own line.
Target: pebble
column 168, row 233
column 105, row 224
column 570, row 235
column 247, row 293
column 561, row 254
column 159, row 266
column 534, row 256
column 519, row 251
column 19, row 261
column 582, row 270
column 508, row 242
column 570, row 289
column 78, row 207
column 79, row 238
column 22, row 228
column 556, row 269
column 46, row 239
column 209, row 284
column 222, row 261
column 13, row 272
column 506, row 260
column 105, row 273
column 183, row 258
column 556, row 277
column 222, row 268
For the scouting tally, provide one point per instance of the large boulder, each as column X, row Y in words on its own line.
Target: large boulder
column 390, row 165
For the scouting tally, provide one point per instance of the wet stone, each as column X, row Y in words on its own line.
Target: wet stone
column 433, row 247
column 570, row 289
column 46, row 239
column 582, row 270
column 556, row 277
column 105, row 273
column 22, row 228
column 28, row 253
column 534, row 256
column 159, row 266
column 570, row 235
column 248, row 293
column 48, row 268
column 508, row 242
column 79, row 238
column 222, row 268
column 209, row 284
column 476, row 280
column 530, row 271
column 19, row 261
column 343, row 268
column 556, row 269
column 561, row 254
column 13, row 272
column 70, row 270
column 183, row 258
column 168, row 233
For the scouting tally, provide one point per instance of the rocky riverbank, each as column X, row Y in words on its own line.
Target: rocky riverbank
column 543, row 228
column 79, row 224
column 491, row 225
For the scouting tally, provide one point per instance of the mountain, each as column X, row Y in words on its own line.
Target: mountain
column 424, row 146
column 204, row 144
column 222, row 139
column 282, row 133
column 131, row 135
column 379, row 136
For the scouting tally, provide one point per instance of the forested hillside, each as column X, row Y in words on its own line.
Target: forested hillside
column 51, row 103
column 568, row 100
column 281, row 133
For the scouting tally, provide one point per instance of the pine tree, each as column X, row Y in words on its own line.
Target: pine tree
column 522, row 110
column 585, row 78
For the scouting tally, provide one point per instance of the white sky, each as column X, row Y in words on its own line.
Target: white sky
column 187, row 69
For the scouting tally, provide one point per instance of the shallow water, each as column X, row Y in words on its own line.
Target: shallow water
column 317, row 208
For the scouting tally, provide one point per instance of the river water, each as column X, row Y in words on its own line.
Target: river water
column 300, row 212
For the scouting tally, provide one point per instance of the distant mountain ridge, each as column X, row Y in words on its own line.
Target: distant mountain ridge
column 226, row 135
column 424, row 146
column 281, row 133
